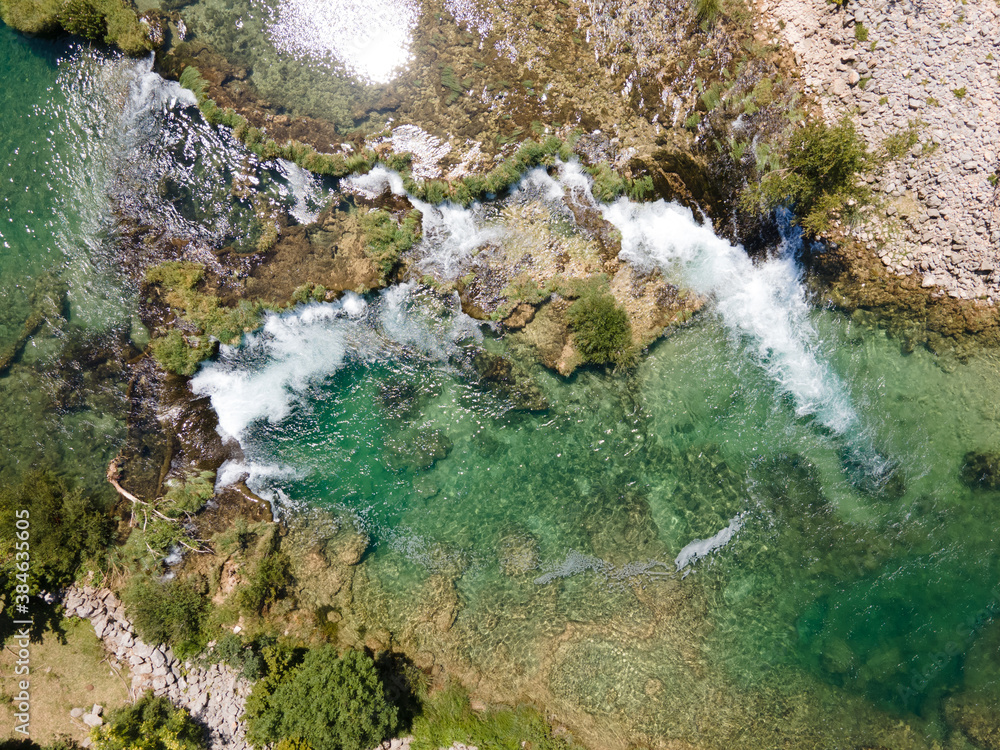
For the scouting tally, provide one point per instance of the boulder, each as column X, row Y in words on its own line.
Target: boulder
column 92, row 721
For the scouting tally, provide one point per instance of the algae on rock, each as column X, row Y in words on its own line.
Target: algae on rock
column 113, row 22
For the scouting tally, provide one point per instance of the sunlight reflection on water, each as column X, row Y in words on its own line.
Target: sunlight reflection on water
column 371, row 39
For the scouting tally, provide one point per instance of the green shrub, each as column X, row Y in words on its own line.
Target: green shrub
column 245, row 658
column 180, row 355
column 189, row 494
column 602, row 332
column 860, row 32
column 31, row 16
column 171, row 612
column 819, row 178
column 329, row 702
column 898, row 143
column 386, row 241
column 447, row 719
column 149, row 724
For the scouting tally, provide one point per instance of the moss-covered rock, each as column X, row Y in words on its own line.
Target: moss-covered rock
column 111, row 22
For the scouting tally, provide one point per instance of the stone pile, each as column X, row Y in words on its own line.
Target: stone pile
column 214, row 695
column 935, row 63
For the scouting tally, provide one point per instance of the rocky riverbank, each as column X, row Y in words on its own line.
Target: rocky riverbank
column 934, row 65
column 215, row 695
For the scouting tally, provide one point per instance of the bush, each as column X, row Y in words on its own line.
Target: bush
column 172, row 612
column 329, row 702
column 386, row 241
column 149, row 724
column 189, row 494
column 31, row 16
column 602, row 332
column 820, row 176
column 245, row 658
column 176, row 354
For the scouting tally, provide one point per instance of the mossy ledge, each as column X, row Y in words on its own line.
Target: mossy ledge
column 112, row 22
column 608, row 184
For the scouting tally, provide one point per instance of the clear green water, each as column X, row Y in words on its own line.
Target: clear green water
column 834, row 617
column 571, row 518
column 51, row 235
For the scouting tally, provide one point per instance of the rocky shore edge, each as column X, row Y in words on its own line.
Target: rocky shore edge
column 215, row 695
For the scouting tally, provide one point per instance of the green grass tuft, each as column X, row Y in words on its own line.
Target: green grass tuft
column 447, row 718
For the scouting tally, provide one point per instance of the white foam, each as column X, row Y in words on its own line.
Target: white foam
column 374, row 183
column 764, row 303
column 268, row 375
column 271, row 373
column 306, row 189
column 451, row 235
column 699, row 548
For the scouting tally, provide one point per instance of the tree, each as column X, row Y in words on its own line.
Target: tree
column 329, row 703
column 149, row 724
column 170, row 612
column 49, row 530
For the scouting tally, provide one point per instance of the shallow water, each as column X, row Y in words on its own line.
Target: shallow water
column 787, row 467
column 758, row 538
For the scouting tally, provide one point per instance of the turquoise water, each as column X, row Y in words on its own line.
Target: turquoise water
column 858, row 571
column 842, row 593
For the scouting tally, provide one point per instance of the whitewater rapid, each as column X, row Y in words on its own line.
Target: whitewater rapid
column 762, row 304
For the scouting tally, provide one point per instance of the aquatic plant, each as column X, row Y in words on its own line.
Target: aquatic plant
column 463, row 191
column 331, row 702
column 602, row 332
column 608, row 185
column 151, row 723
column 447, row 718
column 386, row 241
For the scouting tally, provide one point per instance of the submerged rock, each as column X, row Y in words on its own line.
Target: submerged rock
column 981, row 469
column 518, row 553
column 509, row 380
column 416, row 450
